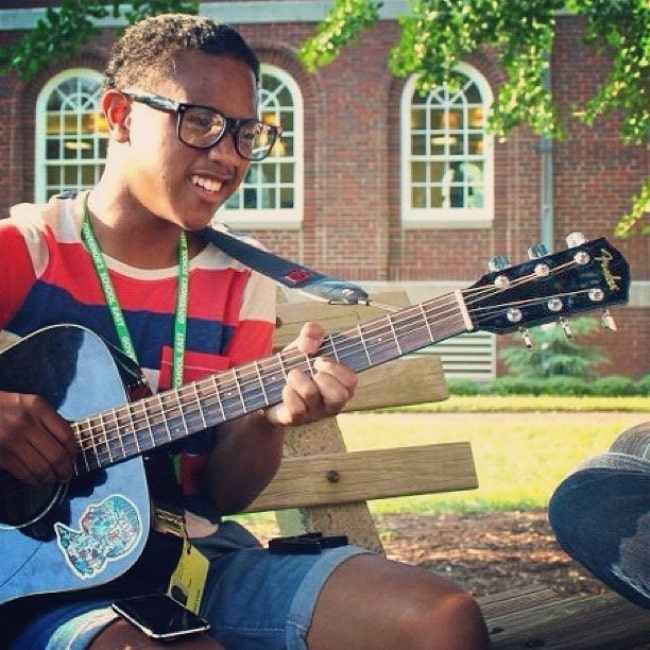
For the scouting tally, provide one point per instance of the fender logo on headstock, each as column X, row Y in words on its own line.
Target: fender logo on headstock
column 604, row 260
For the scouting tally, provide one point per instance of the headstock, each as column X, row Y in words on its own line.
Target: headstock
column 586, row 276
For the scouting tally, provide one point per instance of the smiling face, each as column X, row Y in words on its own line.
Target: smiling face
column 165, row 177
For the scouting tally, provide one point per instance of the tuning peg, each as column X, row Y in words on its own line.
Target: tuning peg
column 575, row 239
column 498, row 263
column 566, row 328
column 536, row 251
column 607, row 321
column 528, row 342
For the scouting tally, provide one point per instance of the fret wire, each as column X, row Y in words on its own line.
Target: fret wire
column 197, row 399
column 275, row 379
column 238, row 387
column 120, row 432
column 163, row 417
column 261, row 381
column 364, row 343
column 335, row 352
column 79, row 428
column 230, row 397
column 210, row 401
column 192, row 413
column 389, row 318
column 102, row 441
column 217, row 394
column 181, row 416
column 128, row 411
column 426, row 322
column 95, row 446
column 140, row 444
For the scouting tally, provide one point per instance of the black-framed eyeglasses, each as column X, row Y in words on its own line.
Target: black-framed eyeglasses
column 201, row 127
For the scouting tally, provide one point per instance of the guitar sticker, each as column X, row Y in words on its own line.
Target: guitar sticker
column 107, row 532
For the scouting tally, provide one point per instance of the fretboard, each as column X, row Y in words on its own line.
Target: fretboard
column 136, row 428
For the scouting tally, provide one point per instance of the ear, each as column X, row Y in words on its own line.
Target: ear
column 117, row 108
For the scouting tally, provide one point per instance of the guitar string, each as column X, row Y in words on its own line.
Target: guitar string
column 151, row 424
column 297, row 361
column 384, row 327
column 226, row 385
column 184, row 413
column 403, row 318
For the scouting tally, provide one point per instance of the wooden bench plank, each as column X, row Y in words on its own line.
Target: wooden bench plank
column 396, row 383
column 541, row 618
column 333, row 318
column 414, row 380
column 346, row 477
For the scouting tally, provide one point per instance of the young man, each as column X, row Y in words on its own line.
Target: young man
column 180, row 101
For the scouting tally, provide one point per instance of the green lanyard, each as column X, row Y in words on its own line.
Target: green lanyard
column 180, row 320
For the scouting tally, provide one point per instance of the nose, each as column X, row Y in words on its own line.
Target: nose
column 225, row 148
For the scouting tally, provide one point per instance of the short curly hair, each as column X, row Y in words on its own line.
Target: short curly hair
column 146, row 50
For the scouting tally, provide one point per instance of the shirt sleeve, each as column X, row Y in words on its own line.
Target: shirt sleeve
column 17, row 270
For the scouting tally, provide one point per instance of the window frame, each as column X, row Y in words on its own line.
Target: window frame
column 276, row 218
column 446, row 217
column 42, row 188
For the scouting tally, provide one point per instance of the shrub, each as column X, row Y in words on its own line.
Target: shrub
column 459, row 386
column 613, row 386
column 511, row 385
column 563, row 386
column 643, row 385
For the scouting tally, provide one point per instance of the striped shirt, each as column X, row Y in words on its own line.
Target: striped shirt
column 48, row 278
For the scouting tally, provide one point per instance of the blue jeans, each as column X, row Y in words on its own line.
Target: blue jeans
column 600, row 515
column 253, row 599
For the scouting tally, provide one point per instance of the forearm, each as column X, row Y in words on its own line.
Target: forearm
column 246, row 457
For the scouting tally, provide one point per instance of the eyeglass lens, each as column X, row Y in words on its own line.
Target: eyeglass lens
column 202, row 127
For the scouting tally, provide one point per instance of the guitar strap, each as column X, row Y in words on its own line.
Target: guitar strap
column 288, row 273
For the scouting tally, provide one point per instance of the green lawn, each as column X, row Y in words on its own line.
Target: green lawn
column 522, row 447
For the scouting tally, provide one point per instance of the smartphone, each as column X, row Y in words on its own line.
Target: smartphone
column 160, row 617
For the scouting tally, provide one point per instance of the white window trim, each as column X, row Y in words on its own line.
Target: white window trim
column 461, row 218
column 40, row 143
column 282, row 218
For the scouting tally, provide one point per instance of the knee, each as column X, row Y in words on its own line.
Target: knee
column 464, row 619
column 452, row 621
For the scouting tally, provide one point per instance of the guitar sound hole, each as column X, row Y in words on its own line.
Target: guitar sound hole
column 22, row 504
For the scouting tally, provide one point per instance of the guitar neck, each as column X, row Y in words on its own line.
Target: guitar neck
column 136, row 428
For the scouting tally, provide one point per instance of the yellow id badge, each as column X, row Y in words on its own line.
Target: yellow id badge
column 188, row 580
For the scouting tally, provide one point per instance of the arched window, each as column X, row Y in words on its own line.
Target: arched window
column 272, row 193
column 71, row 134
column 447, row 156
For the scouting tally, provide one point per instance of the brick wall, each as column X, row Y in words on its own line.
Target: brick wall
column 351, row 213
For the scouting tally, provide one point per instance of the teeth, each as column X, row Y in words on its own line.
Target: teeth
column 207, row 183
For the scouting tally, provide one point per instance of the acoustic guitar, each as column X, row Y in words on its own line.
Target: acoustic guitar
column 92, row 529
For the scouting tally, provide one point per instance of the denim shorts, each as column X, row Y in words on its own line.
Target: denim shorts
column 253, row 599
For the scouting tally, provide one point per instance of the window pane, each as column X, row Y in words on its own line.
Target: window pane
column 419, row 197
column 436, row 198
column 286, row 197
column 419, row 145
column 286, row 173
column 418, row 172
column 447, row 146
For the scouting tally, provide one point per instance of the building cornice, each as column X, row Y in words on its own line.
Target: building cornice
column 255, row 11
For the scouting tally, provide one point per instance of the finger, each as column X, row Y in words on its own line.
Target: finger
column 26, row 463
column 343, row 374
column 310, row 338
column 62, row 432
